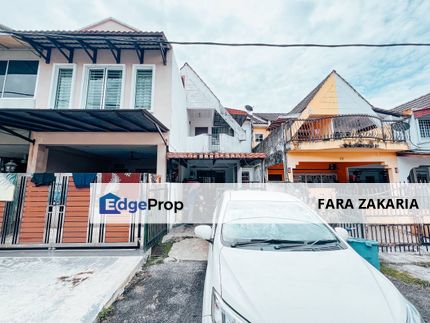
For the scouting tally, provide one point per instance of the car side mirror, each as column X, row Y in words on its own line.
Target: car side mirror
column 203, row 232
column 342, row 233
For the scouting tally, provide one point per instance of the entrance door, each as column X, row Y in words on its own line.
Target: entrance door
column 211, row 176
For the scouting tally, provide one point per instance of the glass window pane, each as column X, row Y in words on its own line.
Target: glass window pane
column 143, row 89
column 95, row 88
column 20, row 79
column 3, row 65
column 113, row 89
column 64, row 88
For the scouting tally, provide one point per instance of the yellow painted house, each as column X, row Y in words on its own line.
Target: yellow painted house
column 334, row 135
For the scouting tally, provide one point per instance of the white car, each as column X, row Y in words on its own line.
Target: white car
column 273, row 259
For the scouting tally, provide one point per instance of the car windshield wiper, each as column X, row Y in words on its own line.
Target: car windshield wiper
column 307, row 244
column 268, row 241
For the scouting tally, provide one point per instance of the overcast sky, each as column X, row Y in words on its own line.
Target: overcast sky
column 269, row 79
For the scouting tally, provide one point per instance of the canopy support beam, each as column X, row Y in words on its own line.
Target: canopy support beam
column 16, row 134
column 116, row 52
column 88, row 49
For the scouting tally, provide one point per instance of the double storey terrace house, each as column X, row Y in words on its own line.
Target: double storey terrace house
column 217, row 146
column 99, row 104
column 334, row 135
column 414, row 164
column 105, row 98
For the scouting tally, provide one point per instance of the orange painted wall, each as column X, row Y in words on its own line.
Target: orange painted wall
column 322, row 168
column 2, row 206
column 76, row 214
column 33, row 215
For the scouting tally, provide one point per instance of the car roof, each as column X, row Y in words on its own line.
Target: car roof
column 259, row 195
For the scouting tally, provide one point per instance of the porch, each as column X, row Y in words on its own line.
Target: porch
column 78, row 140
column 342, row 166
column 215, row 167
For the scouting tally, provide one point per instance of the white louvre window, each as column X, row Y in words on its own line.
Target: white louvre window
column 143, row 91
column 424, row 128
column 104, row 88
column 63, row 88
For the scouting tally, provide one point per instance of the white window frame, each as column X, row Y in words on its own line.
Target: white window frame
column 419, row 129
column 54, row 80
column 135, row 68
column 85, row 74
column 36, row 85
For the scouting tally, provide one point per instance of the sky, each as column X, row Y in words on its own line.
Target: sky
column 269, row 79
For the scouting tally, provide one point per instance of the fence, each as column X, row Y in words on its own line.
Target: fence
column 392, row 237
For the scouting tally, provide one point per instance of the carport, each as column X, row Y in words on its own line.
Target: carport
column 77, row 140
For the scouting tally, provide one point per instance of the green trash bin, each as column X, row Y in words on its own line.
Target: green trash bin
column 368, row 249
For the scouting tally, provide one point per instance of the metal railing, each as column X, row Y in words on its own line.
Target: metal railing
column 344, row 127
column 392, row 237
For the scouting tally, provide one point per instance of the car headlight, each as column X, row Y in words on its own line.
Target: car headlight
column 222, row 313
column 412, row 314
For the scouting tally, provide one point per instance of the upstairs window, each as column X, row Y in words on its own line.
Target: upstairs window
column 104, row 88
column 258, row 137
column 424, row 126
column 143, row 88
column 18, row 79
column 63, row 87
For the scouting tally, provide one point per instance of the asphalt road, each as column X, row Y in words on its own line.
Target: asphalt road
column 169, row 292
column 417, row 295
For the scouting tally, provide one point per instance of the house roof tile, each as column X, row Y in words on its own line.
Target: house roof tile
column 416, row 104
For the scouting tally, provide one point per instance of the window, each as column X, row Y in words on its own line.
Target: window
column 18, row 79
column 143, row 88
column 200, row 131
column 259, row 137
column 424, row 128
column 104, row 88
column 63, row 87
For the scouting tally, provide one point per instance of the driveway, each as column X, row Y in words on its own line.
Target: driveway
column 66, row 287
column 168, row 292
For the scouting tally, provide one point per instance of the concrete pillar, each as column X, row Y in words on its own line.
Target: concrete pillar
column 37, row 158
column 162, row 161
column 393, row 176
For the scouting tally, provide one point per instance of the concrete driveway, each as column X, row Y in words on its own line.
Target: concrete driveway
column 62, row 286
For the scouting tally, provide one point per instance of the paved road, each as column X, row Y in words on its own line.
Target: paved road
column 169, row 292
column 417, row 295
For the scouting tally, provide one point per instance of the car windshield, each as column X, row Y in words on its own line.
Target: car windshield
column 272, row 222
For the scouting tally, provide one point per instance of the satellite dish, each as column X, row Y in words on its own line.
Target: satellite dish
column 249, row 108
column 401, row 126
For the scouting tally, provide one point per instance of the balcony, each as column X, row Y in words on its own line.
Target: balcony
column 359, row 127
column 338, row 132
column 217, row 143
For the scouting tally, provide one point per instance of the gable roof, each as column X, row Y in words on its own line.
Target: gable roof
column 421, row 102
column 299, row 108
column 108, row 20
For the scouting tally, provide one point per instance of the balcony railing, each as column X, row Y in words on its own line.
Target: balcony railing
column 345, row 127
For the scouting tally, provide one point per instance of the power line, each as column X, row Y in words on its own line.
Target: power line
column 224, row 44
column 297, row 44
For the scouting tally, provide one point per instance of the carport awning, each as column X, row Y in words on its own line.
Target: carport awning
column 80, row 120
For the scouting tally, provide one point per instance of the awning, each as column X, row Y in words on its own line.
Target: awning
column 43, row 42
column 80, row 120
column 216, row 155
